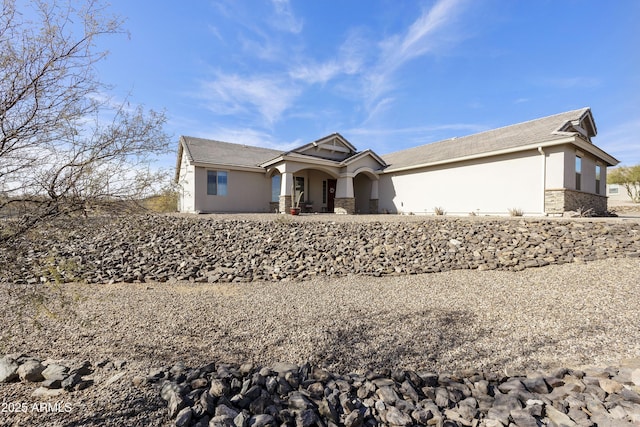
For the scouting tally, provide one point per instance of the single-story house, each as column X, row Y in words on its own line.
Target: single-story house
column 540, row 167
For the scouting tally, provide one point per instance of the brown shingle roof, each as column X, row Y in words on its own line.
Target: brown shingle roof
column 508, row 137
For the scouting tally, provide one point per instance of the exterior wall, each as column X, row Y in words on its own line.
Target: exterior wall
column 186, row 198
column 618, row 194
column 485, row 186
column 246, row 192
column 364, row 162
column 556, row 167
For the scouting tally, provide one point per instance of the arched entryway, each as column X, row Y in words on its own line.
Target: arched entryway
column 365, row 192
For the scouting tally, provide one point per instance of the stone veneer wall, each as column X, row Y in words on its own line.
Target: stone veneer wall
column 285, row 204
column 274, row 207
column 564, row 200
column 345, row 205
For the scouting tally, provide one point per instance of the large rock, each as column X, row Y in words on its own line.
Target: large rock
column 8, row 370
column 31, row 370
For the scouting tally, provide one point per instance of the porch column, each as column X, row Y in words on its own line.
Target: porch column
column 373, row 199
column 286, row 183
column 345, row 201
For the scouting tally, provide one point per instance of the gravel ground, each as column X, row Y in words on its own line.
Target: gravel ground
column 540, row 318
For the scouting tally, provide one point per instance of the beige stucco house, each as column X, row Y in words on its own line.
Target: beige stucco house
column 543, row 166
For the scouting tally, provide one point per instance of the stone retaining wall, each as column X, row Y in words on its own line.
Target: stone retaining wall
column 166, row 248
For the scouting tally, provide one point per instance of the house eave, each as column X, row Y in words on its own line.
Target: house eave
column 228, row 166
column 302, row 159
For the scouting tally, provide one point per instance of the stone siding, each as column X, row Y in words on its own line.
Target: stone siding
column 564, row 200
column 285, row 204
column 345, row 205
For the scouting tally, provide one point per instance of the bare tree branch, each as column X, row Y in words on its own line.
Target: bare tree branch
column 64, row 148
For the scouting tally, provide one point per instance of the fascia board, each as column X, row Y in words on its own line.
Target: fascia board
column 229, row 167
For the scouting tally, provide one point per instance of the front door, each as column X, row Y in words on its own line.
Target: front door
column 331, row 194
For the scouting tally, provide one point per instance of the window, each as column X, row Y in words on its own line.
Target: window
column 578, row 173
column 598, row 172
column 216, row 183
column 324, row 191
column 275, row 188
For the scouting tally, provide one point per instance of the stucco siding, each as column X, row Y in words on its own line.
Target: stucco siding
column 555, row 167
column 364, row 162
column 512, row 181
column 246, row 192
column 186, row 199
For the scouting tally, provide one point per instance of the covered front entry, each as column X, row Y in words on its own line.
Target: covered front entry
column 328, row 175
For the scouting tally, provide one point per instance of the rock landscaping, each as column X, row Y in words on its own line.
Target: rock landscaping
column 286, row 394
column 168, row 248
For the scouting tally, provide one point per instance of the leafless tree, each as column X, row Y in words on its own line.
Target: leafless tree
column 64, row 146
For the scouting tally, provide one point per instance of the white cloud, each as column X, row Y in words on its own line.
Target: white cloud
column 349, row 60
column 621, row 141
column 249, row 136
column 285, row 20
column 267, row 96
column 432, row 31
column 570, row 82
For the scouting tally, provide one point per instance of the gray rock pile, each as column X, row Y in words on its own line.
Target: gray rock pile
column 165, row 248
column 52, row 377
column 285, row 394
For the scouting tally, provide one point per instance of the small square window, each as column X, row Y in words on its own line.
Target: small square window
column 216, row 183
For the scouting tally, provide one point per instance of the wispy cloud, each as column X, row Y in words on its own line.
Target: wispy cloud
column 267, row 96
column 429, row 33
column 570, row 82
column 285, row 20
column 621, row 141
column 383, row 139
column 249, row 136
column 349, row 60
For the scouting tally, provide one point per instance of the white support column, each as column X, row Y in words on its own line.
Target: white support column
column 344, row 187
column 345, row 202
column 286, row 185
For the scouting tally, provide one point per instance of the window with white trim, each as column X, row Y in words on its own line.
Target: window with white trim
column 578, row 173
column 275, row 188
column 216, row 183
column 598, row 175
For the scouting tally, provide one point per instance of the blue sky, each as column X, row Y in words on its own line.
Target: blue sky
column 386, row 74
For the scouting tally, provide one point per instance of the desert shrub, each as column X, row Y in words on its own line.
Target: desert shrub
column 516, row 212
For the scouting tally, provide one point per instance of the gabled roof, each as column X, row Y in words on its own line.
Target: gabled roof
column 367, row 152
column 213, row 152
column 332, row 147
column 547, row 129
